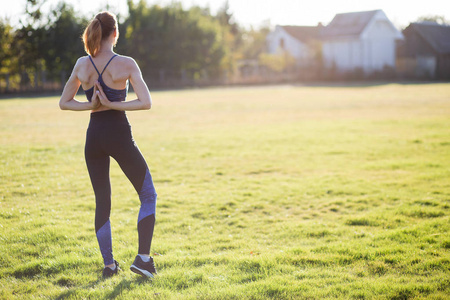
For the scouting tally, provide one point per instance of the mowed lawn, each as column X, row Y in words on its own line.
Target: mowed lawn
column 282, row 192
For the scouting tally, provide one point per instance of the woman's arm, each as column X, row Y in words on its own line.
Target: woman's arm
column 144, row 100
column 67, row 101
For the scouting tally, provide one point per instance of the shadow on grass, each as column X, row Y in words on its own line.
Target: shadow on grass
column 123, row 285
column 73, row 291
column 126, row 284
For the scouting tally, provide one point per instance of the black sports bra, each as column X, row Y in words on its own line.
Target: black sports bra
column 112, row 94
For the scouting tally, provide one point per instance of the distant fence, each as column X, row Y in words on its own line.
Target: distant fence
column 25, row 82
column 39, row 82
column 166, row 79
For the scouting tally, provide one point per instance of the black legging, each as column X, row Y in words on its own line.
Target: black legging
column 109, row 135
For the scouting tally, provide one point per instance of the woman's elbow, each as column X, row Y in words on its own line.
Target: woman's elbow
column 62, row 105
column 147, row 105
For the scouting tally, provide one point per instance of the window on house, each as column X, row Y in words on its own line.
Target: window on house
column 282, row 44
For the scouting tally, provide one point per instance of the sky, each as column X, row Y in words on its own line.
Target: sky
column 256, row 12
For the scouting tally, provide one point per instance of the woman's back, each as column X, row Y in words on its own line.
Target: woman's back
column 114, row 76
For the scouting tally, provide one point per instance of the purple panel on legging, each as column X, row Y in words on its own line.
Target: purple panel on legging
column 104, row 241
column 147, row 197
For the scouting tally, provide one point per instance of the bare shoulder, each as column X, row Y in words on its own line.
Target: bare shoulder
column 126, row 59
column 81, row 63
column 127, row 62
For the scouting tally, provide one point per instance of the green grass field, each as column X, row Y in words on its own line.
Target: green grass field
column 285, row 192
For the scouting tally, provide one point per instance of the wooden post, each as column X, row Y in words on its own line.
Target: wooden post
column 161, row 75
column 7, row 82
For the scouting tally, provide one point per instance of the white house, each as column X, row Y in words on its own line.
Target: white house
column 357, row 40
column 365, row 40
column 296, row 40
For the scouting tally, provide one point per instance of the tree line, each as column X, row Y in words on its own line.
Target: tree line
column 169, row 43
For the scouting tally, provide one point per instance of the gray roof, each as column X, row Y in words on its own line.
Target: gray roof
column 303, row 33
column 437, row 36
column 348, row 24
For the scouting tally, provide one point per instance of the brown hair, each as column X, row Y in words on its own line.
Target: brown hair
column 101, row 27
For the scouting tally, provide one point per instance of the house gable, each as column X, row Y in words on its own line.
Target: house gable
column 380, row 26
column 427, row 44
column 416, row 43
column 436, row 36
column 359, row 25
column 304, row 34
column 293, row 40
column 281, row 40
column 348, row 25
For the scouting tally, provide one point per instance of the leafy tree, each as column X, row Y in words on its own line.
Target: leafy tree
column 49, row 43
column 35, row 18
column 173, row 39
column 7, row 57
column 277, row 62
column 231, row 37
column 61, row 45
column 434, row 18
column 26, row 44
column 254, row 42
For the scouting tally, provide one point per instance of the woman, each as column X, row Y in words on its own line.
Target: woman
column 109, row 134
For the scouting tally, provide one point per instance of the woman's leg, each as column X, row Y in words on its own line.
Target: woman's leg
column 146, row 218
column 135, row 168
column 98, row 167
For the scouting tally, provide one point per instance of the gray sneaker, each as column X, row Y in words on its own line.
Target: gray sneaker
column 107, row 272
column 143, row 268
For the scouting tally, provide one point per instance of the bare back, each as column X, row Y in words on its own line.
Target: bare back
column 115, row 75
column 119, row 71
